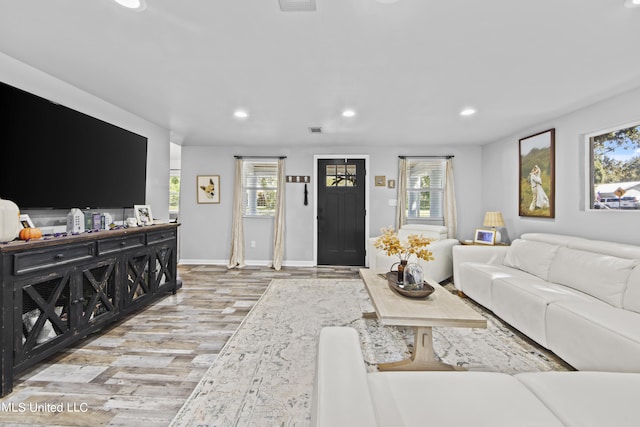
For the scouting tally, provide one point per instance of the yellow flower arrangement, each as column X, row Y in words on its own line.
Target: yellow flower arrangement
column 414, row 245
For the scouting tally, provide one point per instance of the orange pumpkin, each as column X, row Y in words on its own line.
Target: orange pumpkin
column 30, row 233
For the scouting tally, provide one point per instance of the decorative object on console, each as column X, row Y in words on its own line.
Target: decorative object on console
column 75, row 221
column 143, row 214
column 485, row 237
column 9, row 220
column 537, row 175
column 208, row 188
column 414, row 245
column 493, row 220
column 29, row 233
column 25, row 220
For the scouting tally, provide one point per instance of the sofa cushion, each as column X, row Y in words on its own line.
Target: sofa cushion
column 522, row 302
column 478, row 279
column 631, row 299
column 602, row 276
column 594, row 336
column 455, row 399
column 532, row 257
column 587, row 399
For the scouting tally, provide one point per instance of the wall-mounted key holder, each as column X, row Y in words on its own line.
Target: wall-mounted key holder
column 298, row 178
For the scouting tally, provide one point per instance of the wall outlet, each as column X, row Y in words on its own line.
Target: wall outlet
column 253, row 243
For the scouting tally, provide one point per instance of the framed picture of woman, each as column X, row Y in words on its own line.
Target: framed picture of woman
column 537, row 175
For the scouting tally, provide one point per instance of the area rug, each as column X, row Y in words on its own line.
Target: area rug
column 264, row 374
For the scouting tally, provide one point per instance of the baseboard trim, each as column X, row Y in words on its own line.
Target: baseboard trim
column 253, row 263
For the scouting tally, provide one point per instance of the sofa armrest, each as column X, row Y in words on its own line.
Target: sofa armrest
column 476, row 253
column 341, row 395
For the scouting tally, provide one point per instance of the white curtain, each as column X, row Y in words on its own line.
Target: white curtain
column 237, row 231
column 450, row 212
column 401, row 206
column 278, row 223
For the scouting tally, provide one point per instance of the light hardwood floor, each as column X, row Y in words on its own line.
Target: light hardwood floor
column 140, row 371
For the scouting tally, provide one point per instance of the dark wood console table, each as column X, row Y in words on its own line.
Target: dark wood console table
column 58, row 290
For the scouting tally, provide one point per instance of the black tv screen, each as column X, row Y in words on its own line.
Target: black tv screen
column 56, row 157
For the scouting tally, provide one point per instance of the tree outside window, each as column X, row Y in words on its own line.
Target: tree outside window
column 174, row 191
column 615, row 169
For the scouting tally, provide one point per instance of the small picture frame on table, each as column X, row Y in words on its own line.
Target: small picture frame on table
column 143, row 214
column 484, row 237
column 26, row 221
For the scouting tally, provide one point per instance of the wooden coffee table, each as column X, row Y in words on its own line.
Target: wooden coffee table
column 440, row 309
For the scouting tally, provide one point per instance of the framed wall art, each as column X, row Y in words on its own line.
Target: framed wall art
column 537, row 175
column 381, row 181
column 208, row 188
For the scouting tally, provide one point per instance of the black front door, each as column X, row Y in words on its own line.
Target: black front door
column 341, row 211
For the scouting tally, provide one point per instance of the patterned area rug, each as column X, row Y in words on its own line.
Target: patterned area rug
column 264, row 375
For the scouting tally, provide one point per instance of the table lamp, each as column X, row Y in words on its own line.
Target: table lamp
column 493, row 220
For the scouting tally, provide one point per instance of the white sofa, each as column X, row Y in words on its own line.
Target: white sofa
column 346, row 395
column 579, row 298
column 441, row 268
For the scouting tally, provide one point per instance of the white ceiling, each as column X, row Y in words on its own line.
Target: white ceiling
column 407, row 68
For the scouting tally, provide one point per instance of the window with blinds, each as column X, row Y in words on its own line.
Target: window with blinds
column 425, row 189
column 260, row 186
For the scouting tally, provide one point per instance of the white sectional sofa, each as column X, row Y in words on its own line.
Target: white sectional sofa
column 346, row 395
column 441, row 268
column 579, row 298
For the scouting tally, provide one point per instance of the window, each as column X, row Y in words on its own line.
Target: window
column 260, row 186
column 341, row 175
column 174, row 190
column 615, row 169
column 425, row 189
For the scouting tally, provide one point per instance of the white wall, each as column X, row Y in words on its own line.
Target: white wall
column 500, row 176
column 206, row 228
column 27, row 78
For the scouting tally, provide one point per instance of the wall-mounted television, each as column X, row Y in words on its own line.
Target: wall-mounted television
column 52, row 156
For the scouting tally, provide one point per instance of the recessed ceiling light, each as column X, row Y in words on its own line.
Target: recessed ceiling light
column 632, row 3
column 240, row 114
column 468, row 111
column 132, row 4
column 348, row 113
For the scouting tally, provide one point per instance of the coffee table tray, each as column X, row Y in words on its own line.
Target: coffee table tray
column 426, row 290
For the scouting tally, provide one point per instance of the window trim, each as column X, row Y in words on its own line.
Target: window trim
column 589, row 186
column 441, row 190
column 175, row 172
column 245, row 213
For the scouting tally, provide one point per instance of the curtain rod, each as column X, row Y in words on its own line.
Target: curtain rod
column 428, row 157
column 260, row 157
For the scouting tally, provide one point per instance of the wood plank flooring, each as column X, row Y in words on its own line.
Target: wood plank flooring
column 140, row 371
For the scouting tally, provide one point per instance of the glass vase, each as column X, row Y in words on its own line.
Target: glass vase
column 413, row 278
column 401, row 266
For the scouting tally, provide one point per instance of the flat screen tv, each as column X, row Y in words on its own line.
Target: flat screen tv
column 55, row 157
